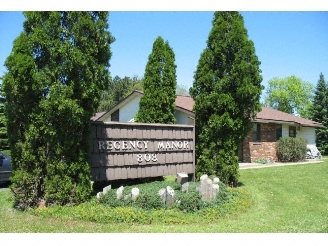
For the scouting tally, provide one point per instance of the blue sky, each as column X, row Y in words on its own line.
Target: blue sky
column 286, row 43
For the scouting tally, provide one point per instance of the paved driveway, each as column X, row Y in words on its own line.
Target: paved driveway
column 275, row 164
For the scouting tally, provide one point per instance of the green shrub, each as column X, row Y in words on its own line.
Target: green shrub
column 148, row 198
column 238, row 200
column 149, row 201
column 111, row 200
column 261, row 161
column 189, row 201
column 150, row 209
column 291, row 149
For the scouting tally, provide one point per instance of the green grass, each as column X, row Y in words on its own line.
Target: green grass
column 284, row 199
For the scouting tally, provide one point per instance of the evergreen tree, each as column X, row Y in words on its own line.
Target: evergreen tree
column 319, row 113
column 57, row 71
column 157, row 104
column 117, row 90
column 226, row 90
column 4, row 145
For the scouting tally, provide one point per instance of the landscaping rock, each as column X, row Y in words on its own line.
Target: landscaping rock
column 135, row 193
column 162, row 194
column 215, row 190
column 119, row 192
column 99, row 194
column 182, row 178
column 106, row 189
column 169, row 196
column 185, row 187
column 204, row 176
column 206, row 189
column 216, row 180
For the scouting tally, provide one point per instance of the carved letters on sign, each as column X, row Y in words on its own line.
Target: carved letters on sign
column 143, row 145
column 138, row 150
column 123, row 145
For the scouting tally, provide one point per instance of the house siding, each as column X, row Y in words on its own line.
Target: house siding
column 307, row 133
column 266, row 148
column 249, row 149
column 181, row 117
column 127, row 111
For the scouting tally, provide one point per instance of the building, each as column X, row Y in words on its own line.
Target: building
column 269, row 125
column 126, row 110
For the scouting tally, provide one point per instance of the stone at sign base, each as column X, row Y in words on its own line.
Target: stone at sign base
column 208, row 190
column 106, row 189
column 169, row 196
column 162, row 194
column 216, row 180
column 204, row 176
column 182, row 178
column 185, row 187
column 135, row 193
column 99, row 194
column 215, row 190
column 119, row 192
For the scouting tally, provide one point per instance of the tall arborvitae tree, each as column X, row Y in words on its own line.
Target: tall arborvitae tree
column 57, row 71
column 319, row 113
column 4, row 145
column 157, row 104
column 226, row 89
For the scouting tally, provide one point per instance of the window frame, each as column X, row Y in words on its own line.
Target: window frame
column 256, row 132
column 115, row 116
column 292, row 131
column 278, row 131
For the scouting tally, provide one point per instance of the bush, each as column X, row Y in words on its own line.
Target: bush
column 148, row 199
column 238, row 201
column 291, row 149
column 262, row 161
column 189, row 201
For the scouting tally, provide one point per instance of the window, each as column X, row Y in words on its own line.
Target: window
column 278, row 131
column 257, row 133
column 115, row 116
column 292, row 131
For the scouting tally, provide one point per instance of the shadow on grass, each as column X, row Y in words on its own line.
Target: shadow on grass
column 5, row 184
column 99, row 185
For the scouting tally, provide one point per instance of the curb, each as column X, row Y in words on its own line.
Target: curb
column 276, row 164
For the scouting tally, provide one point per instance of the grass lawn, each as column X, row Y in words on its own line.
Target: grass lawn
column 285, row 199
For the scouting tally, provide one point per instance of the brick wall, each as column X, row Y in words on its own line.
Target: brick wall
column 266, row 148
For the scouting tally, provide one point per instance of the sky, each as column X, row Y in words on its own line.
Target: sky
column 286, row 42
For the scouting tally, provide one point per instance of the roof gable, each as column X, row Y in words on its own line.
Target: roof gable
column 186, row 104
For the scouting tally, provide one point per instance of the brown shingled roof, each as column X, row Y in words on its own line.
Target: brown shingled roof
column 97, row 115
column 266, row 115
column 273, row 115
column 185, row 102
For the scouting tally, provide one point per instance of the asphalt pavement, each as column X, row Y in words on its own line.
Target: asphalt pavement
column 275, row 164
